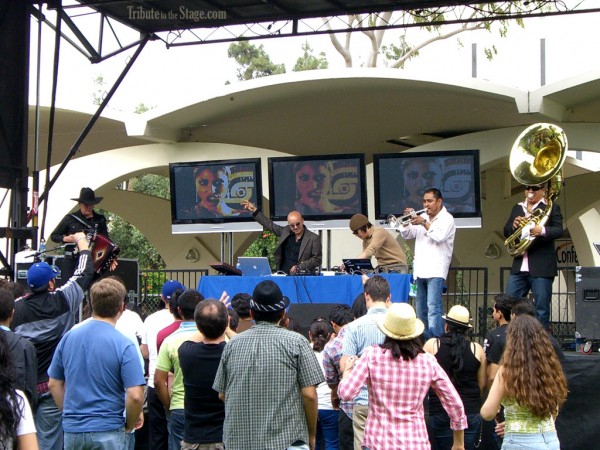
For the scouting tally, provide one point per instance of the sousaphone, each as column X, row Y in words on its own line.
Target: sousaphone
column 537, row 157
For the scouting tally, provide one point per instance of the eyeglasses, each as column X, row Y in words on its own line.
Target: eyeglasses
column 533, row 188
column 295, row 225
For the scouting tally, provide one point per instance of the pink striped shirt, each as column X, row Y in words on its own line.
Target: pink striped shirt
column 397, row 389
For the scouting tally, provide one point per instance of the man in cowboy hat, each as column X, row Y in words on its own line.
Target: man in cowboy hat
column 86, row 220
column 267, row 378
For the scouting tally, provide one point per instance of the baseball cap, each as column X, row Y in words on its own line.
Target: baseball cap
column 170, row 287
column 40, row 274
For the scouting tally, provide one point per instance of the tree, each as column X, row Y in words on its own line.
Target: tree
column 308, row 61
column 471, row 17
column 254, row 62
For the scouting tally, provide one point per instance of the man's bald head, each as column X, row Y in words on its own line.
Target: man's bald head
column 296, row 223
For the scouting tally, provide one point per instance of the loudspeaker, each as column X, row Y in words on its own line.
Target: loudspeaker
column 305, row 313
column 587, row 302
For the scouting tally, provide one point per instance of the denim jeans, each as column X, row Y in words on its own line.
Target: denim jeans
column 327, row 429
column 130, row 441
column 429, row 305
column 442, row 436
column 176, row 425
column 48, row 423
column 540, row 441
column 96, row 440
column 519, row 286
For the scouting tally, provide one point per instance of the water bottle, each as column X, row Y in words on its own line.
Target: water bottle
column 42, row 249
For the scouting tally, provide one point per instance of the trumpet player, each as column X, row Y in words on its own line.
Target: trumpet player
column 433, row 232
column 535, row 269
column 377, row 242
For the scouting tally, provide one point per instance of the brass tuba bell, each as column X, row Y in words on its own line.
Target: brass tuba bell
column 537, row 157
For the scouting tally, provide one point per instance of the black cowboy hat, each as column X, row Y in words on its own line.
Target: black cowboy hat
column 87, row 197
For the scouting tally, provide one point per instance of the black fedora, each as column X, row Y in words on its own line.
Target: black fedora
column 87, row 197
column 267, row 297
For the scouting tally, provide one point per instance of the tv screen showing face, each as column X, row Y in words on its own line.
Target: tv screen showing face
column 401, row 180
column 206, row 196
column 326, row 190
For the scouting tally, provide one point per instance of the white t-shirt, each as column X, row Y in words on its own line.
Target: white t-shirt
column 130, row 322
column 26, row 424
column 323, row 389
column 153, row 324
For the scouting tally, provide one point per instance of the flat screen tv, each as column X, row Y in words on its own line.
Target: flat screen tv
column 326, row 189
column 401, row 179
column 206, row 196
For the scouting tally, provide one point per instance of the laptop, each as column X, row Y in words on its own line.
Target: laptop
column 358, row 265
column 254, row 266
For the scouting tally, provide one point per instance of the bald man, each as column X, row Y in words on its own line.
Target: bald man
column 298, row 250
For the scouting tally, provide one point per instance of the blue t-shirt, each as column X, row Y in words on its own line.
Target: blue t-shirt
column 97, row 364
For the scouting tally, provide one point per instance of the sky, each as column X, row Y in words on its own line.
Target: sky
column 168, row 78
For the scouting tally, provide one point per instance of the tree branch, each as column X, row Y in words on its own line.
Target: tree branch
column 440, row 37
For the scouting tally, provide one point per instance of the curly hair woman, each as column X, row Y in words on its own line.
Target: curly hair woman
column 16, row 419
column 531, row 386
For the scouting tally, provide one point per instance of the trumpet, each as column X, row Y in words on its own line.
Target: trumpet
column 397, row 222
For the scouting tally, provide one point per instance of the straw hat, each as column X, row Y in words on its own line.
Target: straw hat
column 458, row 315
column 400, row 322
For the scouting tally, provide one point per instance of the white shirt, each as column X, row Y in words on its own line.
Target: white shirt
column 433, row 247
column 153, row 324
column 26, row 424
column 323, row 389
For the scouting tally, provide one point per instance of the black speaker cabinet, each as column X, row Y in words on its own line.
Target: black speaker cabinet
column 587, row 302
column 305, row 313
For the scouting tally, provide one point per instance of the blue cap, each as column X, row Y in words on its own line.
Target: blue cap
column 40, row 274
column 170, row 287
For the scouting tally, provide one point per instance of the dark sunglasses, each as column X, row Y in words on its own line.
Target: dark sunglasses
column 294, row 225
column 532, row 188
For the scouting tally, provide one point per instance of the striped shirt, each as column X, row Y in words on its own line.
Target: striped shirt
column 397, row 389
column 361, row 334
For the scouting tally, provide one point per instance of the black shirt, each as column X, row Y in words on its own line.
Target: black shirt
column 291, row 252
column 76, row 222
column 204, row 412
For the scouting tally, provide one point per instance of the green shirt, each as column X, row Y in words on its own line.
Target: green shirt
column 168, row 360
column 520, row 421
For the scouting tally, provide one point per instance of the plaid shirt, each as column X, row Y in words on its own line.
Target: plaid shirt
column 332, row 353
column 261, row 373
column 396, row 392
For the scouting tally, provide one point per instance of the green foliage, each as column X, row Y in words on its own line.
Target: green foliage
column 401, row 51
column 142, row 108
column 264, row 245
column 134, row 244
column 254, row 61
column 308, row 61
column 151, row 184
column 98, row 94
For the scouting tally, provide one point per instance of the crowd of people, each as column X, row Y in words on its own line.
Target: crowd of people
column 218, row 374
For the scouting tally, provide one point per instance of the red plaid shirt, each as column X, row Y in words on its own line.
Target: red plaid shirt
column 397, row 389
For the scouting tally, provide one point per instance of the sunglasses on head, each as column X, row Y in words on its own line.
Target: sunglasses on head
column 533, row 188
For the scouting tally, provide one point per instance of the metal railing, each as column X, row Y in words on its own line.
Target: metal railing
column 151, row 282
column 467, row 286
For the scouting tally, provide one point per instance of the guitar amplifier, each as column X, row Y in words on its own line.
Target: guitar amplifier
column 587, row 302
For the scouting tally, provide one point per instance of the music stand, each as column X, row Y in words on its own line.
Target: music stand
column 223, row 268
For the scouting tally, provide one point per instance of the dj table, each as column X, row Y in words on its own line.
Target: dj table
column 304, row 289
